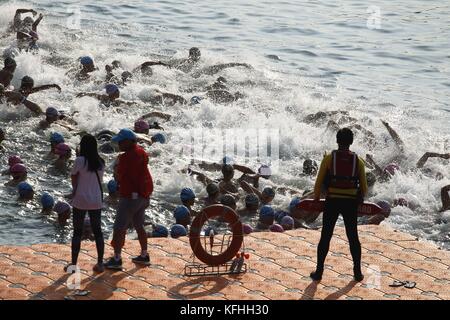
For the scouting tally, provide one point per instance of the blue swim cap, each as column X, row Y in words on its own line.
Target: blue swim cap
column 111, row 88
column 24, row 188
column 112, row 186
column 159, row 137
column 181, row 212
column 47, row 201
column 50, row 111
column 251, row 199
column 61, row 207
column 294, row 203
column 160, row 231
column 268, row 191
column 177, row 231
column 266, row 211
column 280, row 214
column 196, row 99
column 227, row 160
column 86, row 60
column 187, row 194
column 56, row 138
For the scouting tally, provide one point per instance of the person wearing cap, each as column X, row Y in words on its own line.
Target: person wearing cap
column 310, row 167
column 266, row 217
column 135, row 188
column 87, row 67
column 187, row 197
column 47, row 202
column 64, row 152
column 12, row 160
column 111, row 98
column 187, row 64
column 212, row 189
column 15, row 97
column 227, row 185
column 228, row 200
column 177, row 230
column 7, row 73
column 182, row 216
column 26, row 191
column 87, row 197
column 17, row 22
column 251, row 206
column 52, row 115
column 159, row 231
column 27, row 86
column 19, row 174
column 63, row 211
column 113, row 193
column 55, row 139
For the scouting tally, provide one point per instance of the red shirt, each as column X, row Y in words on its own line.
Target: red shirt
column 133, row 174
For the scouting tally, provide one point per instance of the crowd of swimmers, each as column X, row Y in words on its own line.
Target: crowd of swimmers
column 243, row 194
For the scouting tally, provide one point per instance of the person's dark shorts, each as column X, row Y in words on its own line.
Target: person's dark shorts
column 130, row 210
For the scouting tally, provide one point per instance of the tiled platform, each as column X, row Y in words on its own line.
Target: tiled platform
column 279, row 266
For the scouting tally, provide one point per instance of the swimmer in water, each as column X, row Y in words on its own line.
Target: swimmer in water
column 47, row 202
column 87, row 67
column 18, row 173
column 53, row 116
column 445, row 198
column 187, row 197
column 26, row 192
column 7, row 73
column 64, row 152
column 111, row 98
column 212, row 189
column 55, row 139
column 251, row 206
column 63, row 211
column 17, row 98
column 157, row 97
column 27, row 86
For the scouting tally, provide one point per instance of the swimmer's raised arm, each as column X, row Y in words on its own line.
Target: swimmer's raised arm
column 153, row 63
column 377, row 168
column 250, row 189
column 427, row 155
column 44, row 87
column 16, row 98
column 219, row 67
column 243, row 169
column 36, row 23
column 199, row 176
column 157, row 114
column 394, row 136
column 90, row 94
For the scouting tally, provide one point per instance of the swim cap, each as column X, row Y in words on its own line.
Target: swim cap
column 51, row 112
column 112, row 186
column 10, row 62
column 268, row 191
column 187, row 194
column 266, row 211
column 212, row 189
column 294, row 203
column 251, row 200
column 227, row 160
column 86, row 60
column 287, row 223
column 47, row 201
column 12, row 160
column 276, row 228
column 24, row 189
column 28, row 80
column 181, row 212
column 141, row 126
column 177, row 231
column 265, row 171
column 61, row 207
column 221, row 79
column 18, row 168
column 371, row 178
column 391, row 168
column 196, row 99
column 385, row 206
column 111, row 88
column 62, row 149
column 246, row 228
column 402, row 202
column 159, row 137
column 126, row 75
column 56, row 138
column 279, row 215
column 228, row 200
column 194, row 51
column 160, row 231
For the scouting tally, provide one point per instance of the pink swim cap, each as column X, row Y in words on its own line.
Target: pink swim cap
column 62, row 149
column 12, row 160
column 247, row 229
column 391, row 168
column 141, row 126
column 18, row 168
column 276, row 228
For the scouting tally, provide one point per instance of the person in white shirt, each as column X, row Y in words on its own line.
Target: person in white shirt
column 87, row 196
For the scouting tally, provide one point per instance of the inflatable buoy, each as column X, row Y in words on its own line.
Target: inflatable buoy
column 227, row 215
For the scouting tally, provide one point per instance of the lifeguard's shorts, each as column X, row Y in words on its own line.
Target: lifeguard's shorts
column 130, row 210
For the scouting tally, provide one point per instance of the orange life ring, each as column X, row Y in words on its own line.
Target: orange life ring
column 227, row 215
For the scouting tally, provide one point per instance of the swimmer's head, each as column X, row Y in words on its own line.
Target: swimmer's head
column 63, row 150
column 47, row 201
column 227, row 160
column 279, row 215
column 287, row 223
column 276, row 228
column 141, row 126
column 385, row 206
column 390, row 169
column 194, row 54
column 116, row 64
column 221, row 80
column 212, row 189
column 177, row 231
column 310, row 167
column 196, row 100
column 12, row 160
column 228, row 200
column 160, row 231
column 344, row 137
column 28, row 21
column 182, row 215
column 264, row 171
column 126, row 76
column 113, row 187
column 159, row 137
column 228, row 172
column 267, row 195
column 87, row 63
column 251, row 201
column 18, row 171
column 371, row 178
column 187, row 196
column 51, row 114
column 55, row 139
column 25, row 190
column 27, row 83
column 246, row 228
column 10, row 64
column 112, row 91
column 108, row 68
column 63, row 210
column 266, row 215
